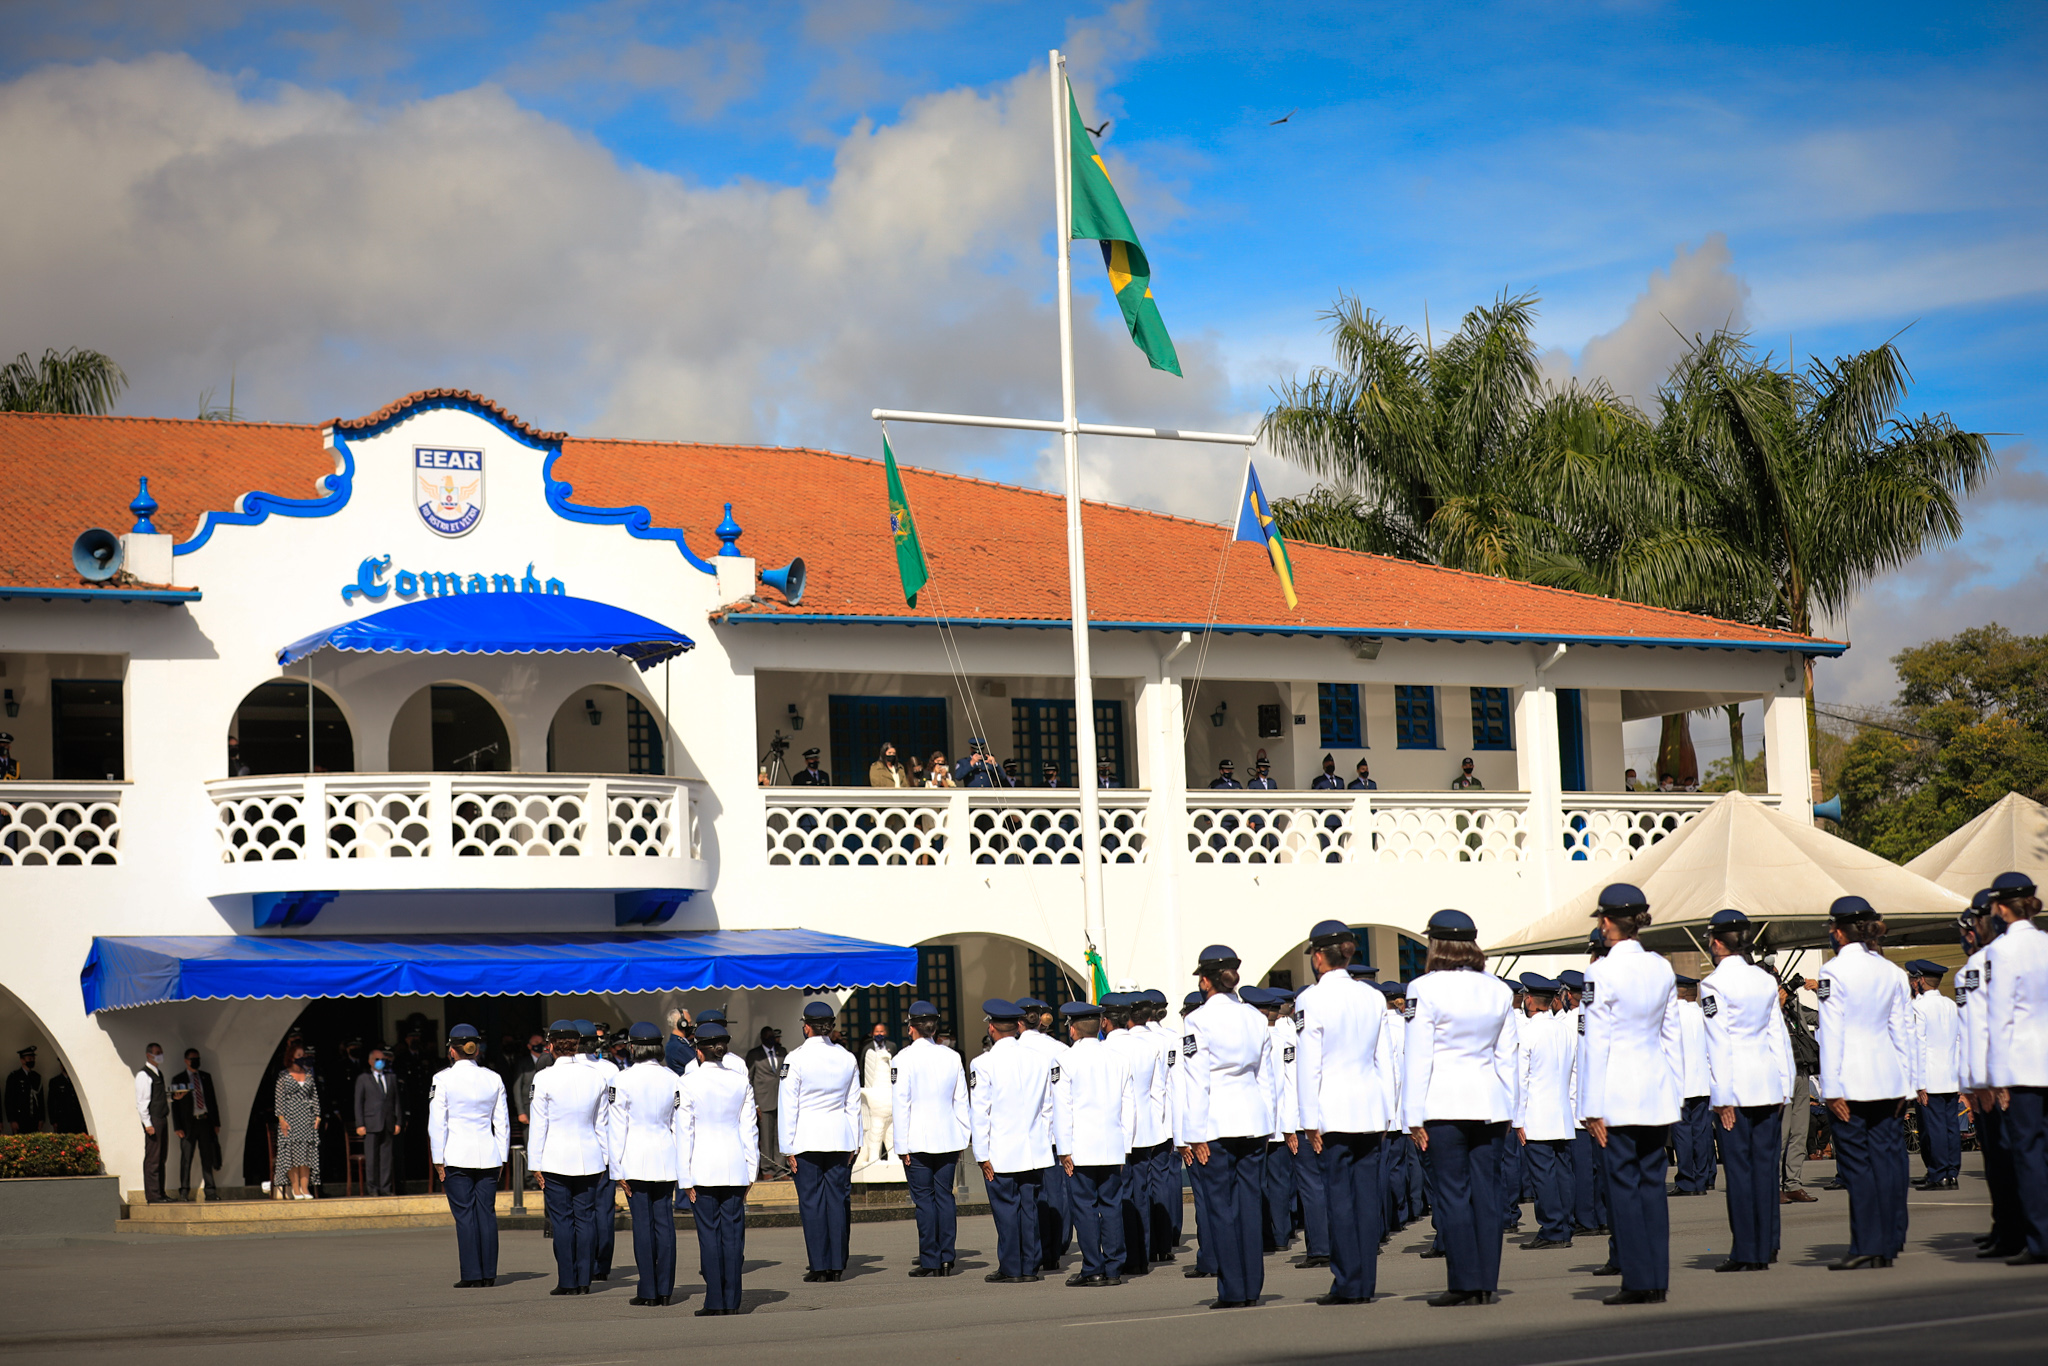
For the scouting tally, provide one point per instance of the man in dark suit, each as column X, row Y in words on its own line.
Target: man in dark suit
column 153, row 1108
column 25, row 1095
column 380, row 1117
column 195, row 1114
column 764, row 1070
column 810, row 775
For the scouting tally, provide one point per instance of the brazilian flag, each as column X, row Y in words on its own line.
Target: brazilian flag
column 903, row 532
column 1098, row 215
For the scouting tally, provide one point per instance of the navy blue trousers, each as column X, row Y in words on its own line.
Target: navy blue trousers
column 2026, row 1141
column 1941, row 1137
column 1589, row 1185
column 473, row 1200
column 1414, row 1195
column 1097, row 1197
column 1312, row 1190
column 1693, row 1138
column 1550, row 1169
column 1141, row 1175
column 930, row 1177
column 572, row 1211
column 1637, row 1206
column 2008, row 1222
column 1055, row 1219
column 653, row 1205
column 721, row 1214
column 1276, row 1199
column 1205, row 1236
column 1750, row 1153
column 606, row 1215
column 1464, row 1165
column 1870, row 1156
column 1169, row 1209
column 1353, row 1170
column 1013, row 1200
column 1510, row 1181
column 824, row 1201
column 1234, row 1179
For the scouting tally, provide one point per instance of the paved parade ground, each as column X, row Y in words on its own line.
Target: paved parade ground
column 383, row 1299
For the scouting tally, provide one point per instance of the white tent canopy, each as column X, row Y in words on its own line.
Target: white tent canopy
column 2010, row 837
column 1775, row 869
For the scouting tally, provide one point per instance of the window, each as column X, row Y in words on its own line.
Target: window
column 938, row 969
column 1414, row 717
column 1571, row 739
column 1492, row 719
column 85, row 729
column 871, row 1006
column 938, row 975
column 1414, row 954
column 269, row 733
column 915, row 725
column 1280, row 979
column 643, row 739
column 1051, row 985
column 1337, row 709
column 1043, row 728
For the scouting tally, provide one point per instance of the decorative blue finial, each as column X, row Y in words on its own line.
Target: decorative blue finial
column 144, row 508
column 728, row 533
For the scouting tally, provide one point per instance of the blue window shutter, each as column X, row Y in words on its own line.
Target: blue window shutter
column 1337, row 710
column 1414, row 716
column 1492, row 719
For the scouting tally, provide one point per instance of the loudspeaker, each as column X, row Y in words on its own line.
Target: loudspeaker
column 97, row 555
column 789, row 580
column 1829, row 810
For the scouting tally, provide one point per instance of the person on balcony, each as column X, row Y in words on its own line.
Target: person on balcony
column 939, row 773
column 887, row 770
column 1262, row 777
column 810, row 775
column 1327, row 780
column 1467, row 780
column 1226, row 777
column 10, row 767
column 1363, row 782
column 1105, row 774
column 981, row 769
column 1049, row 774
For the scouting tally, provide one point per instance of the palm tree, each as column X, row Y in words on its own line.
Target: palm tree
column 73, row 381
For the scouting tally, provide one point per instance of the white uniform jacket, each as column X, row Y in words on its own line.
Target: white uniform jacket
column 1278, row 1074
column 1867, row 1049
column 644, row 1137
column 1345, row 1034
column 1094, row 1106
column 1550, row 1073
column 818, row 1107
column 1630, row 1073
column 1939, row 1029
column 1142, row 1053
column 468, row 1124
column 1460, row 1049
column 1749, row 1051
column 930, row 1099
column 2016, row 989
column 1695, row 1077
column 1973, row 1006
column 719, row 1135
column 1012, row 1108
column 1224, row 1047
column 1391, row 1056
column 565, row 1128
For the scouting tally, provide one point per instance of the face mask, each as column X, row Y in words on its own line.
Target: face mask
column 156, row 1058
column 378, row 1064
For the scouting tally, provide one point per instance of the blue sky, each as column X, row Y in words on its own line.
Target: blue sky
column 754, row 222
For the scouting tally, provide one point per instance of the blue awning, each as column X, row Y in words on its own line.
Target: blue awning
column 120, row 973
column 501, row 624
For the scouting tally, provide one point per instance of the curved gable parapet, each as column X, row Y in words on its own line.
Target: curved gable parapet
column 424, row 400
column 254, row 508
column 638, row 521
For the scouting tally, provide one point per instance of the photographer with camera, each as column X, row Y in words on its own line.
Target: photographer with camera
column 981, row 769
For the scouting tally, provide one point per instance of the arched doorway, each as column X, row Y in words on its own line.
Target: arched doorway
column 269, row 732
column 450, row 728
column 956, row 973
column 62, row 1099
column 1398, row 955
column 605, row 729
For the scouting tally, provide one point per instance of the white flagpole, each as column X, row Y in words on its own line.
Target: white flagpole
column 1077, row 565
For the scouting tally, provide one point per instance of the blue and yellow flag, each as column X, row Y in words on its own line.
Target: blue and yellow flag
column 1255, row 523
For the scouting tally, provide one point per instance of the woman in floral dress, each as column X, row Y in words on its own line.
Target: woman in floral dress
column 298, row 1130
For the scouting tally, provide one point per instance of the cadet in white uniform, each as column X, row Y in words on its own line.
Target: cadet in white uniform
column 1979, row 927
column 1095, row 1126
column 469, row 1131
column 1938, row 1032
column 1276, row 1201
column 2016, row 1057
column 1226, row 1116
column 1459, row 1094
column 1169, row 1210
column 1405, row 1200
column 1055, row 1207
column 1011, row 1104
column 929, row 1102
column 1869, row 1066
column 721, row 1157
column 818, row 1111
column 1548, row 1115
column 1750, row 1077
column 1693, row 1136
column 565, row 1144
column 1629, row 1091
column 1342, row 1090
column 605, row 1204
column 1152, row 1136
column 644, row 1140
column 1184, row 1152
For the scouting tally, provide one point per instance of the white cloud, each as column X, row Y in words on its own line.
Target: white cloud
column 1697, row 293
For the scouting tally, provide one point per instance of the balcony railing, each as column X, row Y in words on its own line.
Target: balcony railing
column 878, row 827
column 60, row 824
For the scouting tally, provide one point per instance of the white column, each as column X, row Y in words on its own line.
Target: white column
column 1538, row 771
column 1788, row 766
column 1168, row 779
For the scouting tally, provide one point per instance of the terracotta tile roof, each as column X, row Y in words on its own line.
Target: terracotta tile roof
column 997, row 551
column 462, row 397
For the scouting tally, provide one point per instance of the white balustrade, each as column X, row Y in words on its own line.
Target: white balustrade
column 1357, row 827
column 1451, row 827
column 1616, row 827
column 933, row 827
column 60, row 824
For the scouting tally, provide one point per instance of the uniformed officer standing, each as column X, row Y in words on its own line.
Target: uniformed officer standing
column 1169, row 1209
column 1750, row 1075
column 819, row 1114
column 565, row 1140
column 1225, row 1119
column 1979, row 927
column 1937, row 1030
column 810, row 775
column 929, row 1102
column 590, row 1052
column 644, row 1143
column 1400, row 1164
column 1511, row 1170
column 720, row 1158
column 2016, row 986
column 1276, row 1201
column 1055, row 1207
column 1693, row 1138
column 1012, row 1110
column 1869, row 1067
column 1459, row 1095
column 730, row 1060
column 1095, row 1126
column 1548, row 1115
column 1629, row 1090
column 1148, row 1162
column 469, row 1133
column 1327, row 780
column 1184, row 1153
column 1343, row 1099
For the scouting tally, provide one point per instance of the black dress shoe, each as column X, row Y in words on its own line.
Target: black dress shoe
column 1999, row 1250
column 1034, row 1276
column 2027, row 1259
column 603, row 1275
column 488, row 1281
column 1732, row 1265
column 1544, row 1244
column 467, row 1285
column 1111, row 1281
column 712, row 1313
column 1195, row 1273
column 1607, row 1269
column 1432, row 1253
column 1233, row 1304
column 945, row 1269
column 664, row 1301
column 1866, row 1262
column 1341, row 1299
column 1452, row 1299
column 640, row 1299
column 998, row 1278
column 835, row 1276
column 563, row 1290
column 1169, row 1257
column 1833, row 1186
column 1307, row 1262
column 813, row 1277
column 1079, row 1279
column 1635, row 1297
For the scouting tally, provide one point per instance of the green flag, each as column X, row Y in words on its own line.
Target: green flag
column 903, row 530
column 1098, row 977
column 1098, row 215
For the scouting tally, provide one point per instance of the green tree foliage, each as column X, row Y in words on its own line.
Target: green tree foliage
column 1976, row 728
column 73, row 381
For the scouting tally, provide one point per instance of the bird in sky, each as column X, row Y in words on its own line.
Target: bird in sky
column 1283, row 118
column 1097, row 132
